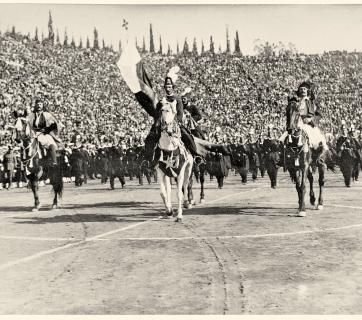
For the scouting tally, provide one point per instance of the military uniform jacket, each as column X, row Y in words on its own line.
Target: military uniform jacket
column 9, row 161
column 306, row 107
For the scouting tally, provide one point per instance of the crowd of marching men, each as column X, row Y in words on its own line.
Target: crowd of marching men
column 83, row 162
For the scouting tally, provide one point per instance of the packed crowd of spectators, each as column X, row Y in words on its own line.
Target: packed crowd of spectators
column 238, row 95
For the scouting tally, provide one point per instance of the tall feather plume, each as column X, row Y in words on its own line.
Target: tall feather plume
column 173, row 73
column 186, row 91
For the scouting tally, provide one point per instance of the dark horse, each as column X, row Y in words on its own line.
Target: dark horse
column 214, row 163
column 37, row 165
column 302, row 160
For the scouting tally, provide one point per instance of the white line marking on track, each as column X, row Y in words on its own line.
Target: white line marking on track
column 291, row 203
column 266, row 235
column 69, row 245
column 234, row 194
column 39, row 238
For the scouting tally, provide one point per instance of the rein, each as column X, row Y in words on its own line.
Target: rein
column 37, row 151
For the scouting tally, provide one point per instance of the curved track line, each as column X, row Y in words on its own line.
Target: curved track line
column 66, row 246
column 248, row 236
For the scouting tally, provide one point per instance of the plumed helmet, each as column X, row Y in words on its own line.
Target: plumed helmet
column 168, row 81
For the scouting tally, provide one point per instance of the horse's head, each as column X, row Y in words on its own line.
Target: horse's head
column 294, row 115
column 22, row 131
column 168, row 114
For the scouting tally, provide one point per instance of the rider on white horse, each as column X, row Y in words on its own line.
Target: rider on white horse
column 309, row 115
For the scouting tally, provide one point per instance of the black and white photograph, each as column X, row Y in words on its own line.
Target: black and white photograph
column 180, row 159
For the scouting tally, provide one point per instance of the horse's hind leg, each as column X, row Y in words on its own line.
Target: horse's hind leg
column 311, row 191
column 148, row 175
column 190, row 197
column 321, row 180
column 220, row 182
column 111, row 181
column 202, row 182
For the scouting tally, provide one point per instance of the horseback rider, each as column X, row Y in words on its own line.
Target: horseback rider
column 46, row 127
column 192, row 115
column 152, row 152
column 309, row 115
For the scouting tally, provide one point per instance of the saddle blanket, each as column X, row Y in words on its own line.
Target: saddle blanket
column 46, row 140
column 315, row 136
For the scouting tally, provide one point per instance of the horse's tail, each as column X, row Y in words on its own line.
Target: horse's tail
column 329, row 161
column 58, row 185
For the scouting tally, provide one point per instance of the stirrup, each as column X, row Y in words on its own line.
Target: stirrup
column 198, row 160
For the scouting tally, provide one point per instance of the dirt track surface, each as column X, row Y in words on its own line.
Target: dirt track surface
column 243, row 252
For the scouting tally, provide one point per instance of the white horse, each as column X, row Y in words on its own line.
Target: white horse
column 175, row 160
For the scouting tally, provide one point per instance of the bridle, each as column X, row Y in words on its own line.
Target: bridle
column 30, row 150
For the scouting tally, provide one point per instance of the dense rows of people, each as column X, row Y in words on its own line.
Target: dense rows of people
column 239, row 96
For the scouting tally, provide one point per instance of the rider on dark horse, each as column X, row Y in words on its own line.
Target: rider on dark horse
column 46, row 127
column 192, row 115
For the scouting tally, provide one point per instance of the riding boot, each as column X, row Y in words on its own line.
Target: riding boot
column 53, row 155
column 189, row 142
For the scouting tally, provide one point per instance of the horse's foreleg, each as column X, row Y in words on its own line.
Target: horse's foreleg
column 155, row 176
column 300, row 186
column 34, row 188
column 167, row 182
column 163, row 192
column 180, row 195
column 311, row 191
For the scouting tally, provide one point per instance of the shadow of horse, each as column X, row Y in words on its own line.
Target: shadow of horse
column 83, row 218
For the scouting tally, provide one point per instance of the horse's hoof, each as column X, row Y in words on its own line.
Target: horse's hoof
column 274, row 187
column 193, row 202
column 202, row 201
column 178, row 219
column 320, row 207
column 36, row 208
column 302, row 214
